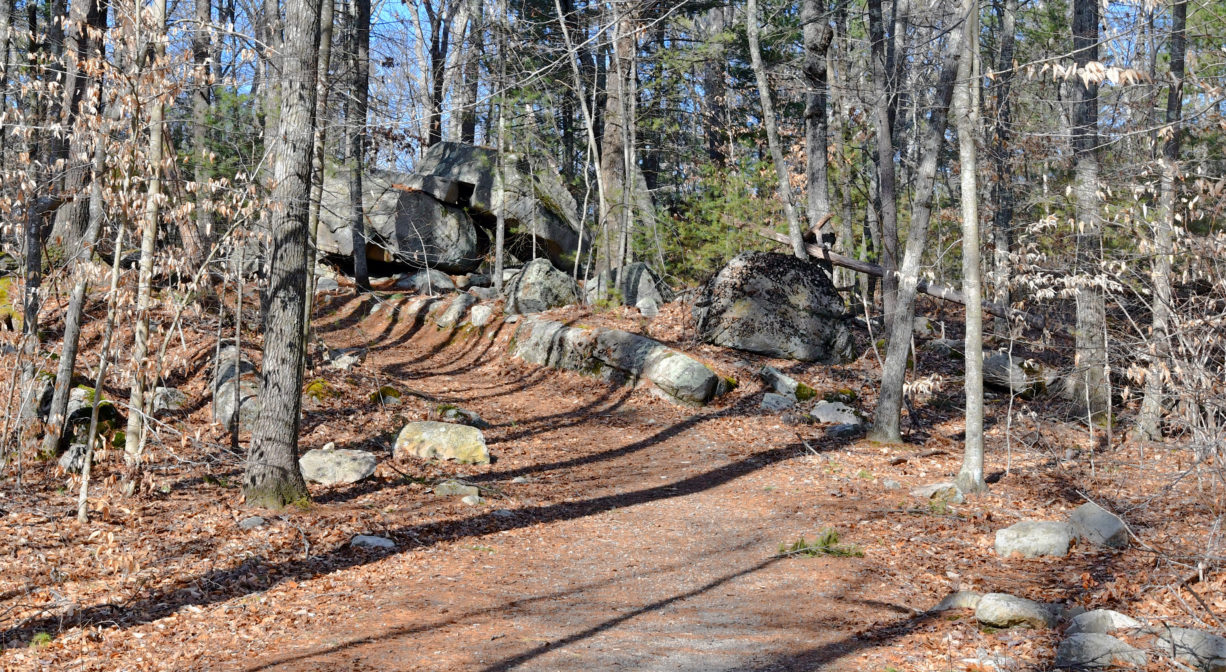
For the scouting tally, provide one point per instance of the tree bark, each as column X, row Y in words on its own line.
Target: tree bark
column 1090, row 379
column 887, row 416
column 326, row 13
column 273, row 478
column 795, row 230
column 195, row 249
column 714, row 99
column 817, row 38
column 149, row 228
column 355, row 117
column 1150, row 417
column 966, row 105
column 886, row 196
column 1002, row 188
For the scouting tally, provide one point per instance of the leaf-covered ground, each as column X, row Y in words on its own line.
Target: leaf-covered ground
column 618, row 531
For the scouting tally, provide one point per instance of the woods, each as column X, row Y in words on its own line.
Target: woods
column 1004, row 221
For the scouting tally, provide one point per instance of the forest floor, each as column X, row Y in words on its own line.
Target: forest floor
column 619, row 531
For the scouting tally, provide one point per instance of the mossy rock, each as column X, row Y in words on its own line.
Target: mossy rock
column 804, row 392
column 319, row 389
column 845, row 395
column 10, row 302
column 386, row 395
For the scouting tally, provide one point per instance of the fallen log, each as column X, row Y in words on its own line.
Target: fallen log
column 931, row 289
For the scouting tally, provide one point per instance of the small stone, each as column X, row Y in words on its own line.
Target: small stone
column 962, row 599
column 1092, row 649
column 453, row 488
column 891, row 484
column 480, row 315
column 503, row 513
column 1101, row 621
column 371, row 541
column 1098, row 526
column 251, row 522
column 168, row 399
column 472, row 500
column 1005, row 611
column 344, row 361
column 521, row 479
column 647, row 307
column 774, row 403
column 511, row 319
column 1034, row 538
column 326, row 285
column 945, row 491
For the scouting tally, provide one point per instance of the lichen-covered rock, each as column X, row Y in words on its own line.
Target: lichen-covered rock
column 333, row 467
column 1098, row 526
column 939, row 492
column 402, row 224
column 777, row 305
column 629, row 285
column 834, row 413
column 1101, row 621
column 776, row 403
column 1034, row 538
column 442, row 440
column 1000, row 610
column 1095, row 650
column 539, row 287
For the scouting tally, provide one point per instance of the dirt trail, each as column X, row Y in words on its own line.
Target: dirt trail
column 645, row 538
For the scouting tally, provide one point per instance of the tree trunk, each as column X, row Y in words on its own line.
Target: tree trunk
column 714, row 99
column 149, row 228
column 886, row 196
column 273, row 478
column 1150, row 417
column 1002, row 188
column 440, row 37
column 795, row 230
column 462, row 124
column 1090, row 378
column 195, row 249
column 355, row 117
column 886, row 419
column 966, row 105
column 817, row 38
column 326, row 13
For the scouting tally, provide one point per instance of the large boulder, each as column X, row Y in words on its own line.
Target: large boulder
column 539, row 287
column 629, row 284
column 1000, row 610
column 775, row 305
column 403, row 224
column 539, row 211
column 329, row 466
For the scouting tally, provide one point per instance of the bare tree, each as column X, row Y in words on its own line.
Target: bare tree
column 887, row 415
column 1149, row 419
column 1090, row 380
column 1002, row 187
column 886, row 194
column 795, row 230
column 355, row 121
column 817, row 37
column 966, row 106
column 273, row 477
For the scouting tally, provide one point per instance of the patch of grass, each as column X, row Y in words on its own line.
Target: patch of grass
column 804, row 392
column 384, row 394
column 939, row 506
column 845, row 395
column 40, row 639
column 863, row 473
column 826, row 543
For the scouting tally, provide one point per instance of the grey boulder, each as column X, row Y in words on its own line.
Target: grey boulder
column 1101, row 621
column 776, row 305
column 168, row 400
column 1000, row 610
column 1034, row 538
column 480, row 315
column 1098, row 526
column 1199, row 649
column 454, row 313
column 540, row 287
column 333, row 467
column 629, row 285
column 371, row 541
column 937, row 492
column 1093, row 650
column 834, row 413
column 775, row 403
column 427, row 281
column 962, row 599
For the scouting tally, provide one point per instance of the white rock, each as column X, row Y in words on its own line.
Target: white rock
column 1101, row 621
column 1034, row 538
column 371, row 541
column 332, row 467
column 1005, row 611
column 962, row 599
column 834, row 413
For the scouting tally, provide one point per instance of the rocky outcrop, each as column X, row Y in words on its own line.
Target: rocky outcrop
column 776, row 305
column 617, row 355
column 403, row 224
column 539, row 211
column 539, row 287
column 629, row 285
